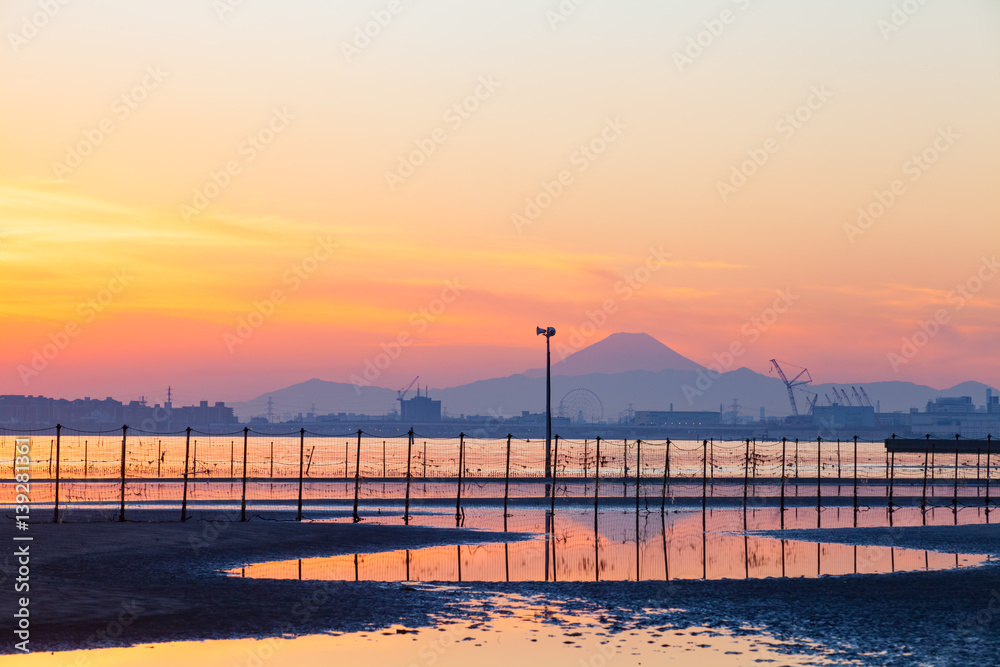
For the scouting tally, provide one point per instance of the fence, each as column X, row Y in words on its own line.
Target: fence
column 108, row 472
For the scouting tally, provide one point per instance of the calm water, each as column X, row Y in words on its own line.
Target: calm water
column 529, row 629
column 573, row 546
column 522, row 632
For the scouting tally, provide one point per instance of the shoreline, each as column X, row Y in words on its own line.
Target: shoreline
column 161, row 582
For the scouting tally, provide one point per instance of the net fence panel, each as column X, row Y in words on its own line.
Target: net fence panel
column 212, row 480
column 271, row 472
column 381, row 471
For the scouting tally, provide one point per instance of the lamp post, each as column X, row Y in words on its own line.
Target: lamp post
column 548, row 333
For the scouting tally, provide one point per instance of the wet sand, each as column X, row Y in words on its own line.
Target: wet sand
column 113, row 584
column 160, row 581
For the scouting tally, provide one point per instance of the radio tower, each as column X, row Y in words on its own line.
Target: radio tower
column 169, row 406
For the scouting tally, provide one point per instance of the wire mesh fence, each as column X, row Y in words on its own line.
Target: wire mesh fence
column 104, row 474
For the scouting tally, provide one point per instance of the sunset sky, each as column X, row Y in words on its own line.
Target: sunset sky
column 231, row 197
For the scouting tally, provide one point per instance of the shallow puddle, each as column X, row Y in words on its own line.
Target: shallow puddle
column 577, row 545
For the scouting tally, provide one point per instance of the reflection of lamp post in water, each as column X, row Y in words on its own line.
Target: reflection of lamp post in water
column 548, row 333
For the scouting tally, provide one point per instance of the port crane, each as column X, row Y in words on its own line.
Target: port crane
column 401, row 394
column 796, row 381
column 867, row 402
column 841, row 396
column 857, row 396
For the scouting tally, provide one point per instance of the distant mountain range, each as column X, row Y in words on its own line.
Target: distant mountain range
column 623, row 369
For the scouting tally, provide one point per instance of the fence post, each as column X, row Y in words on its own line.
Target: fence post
column 893, row 437
column 555, row 471
column 746, row 474
column 979, row 456
column 796, row 464
column 85, row 458
column 856, row 472
column 638, row 460
column 272, row 461
column 302, row 458
column 409, row 452
column 121, row 511
column 243, row 502
column 357, row 477
column 892, row 476
column 232, row 460
column 159, row 456
column 585, row 452
column 597, row 475
column 989, row 439
column 625, row 459
column 819, row 474
column 506, row 479
column 955, row 496
column 55, row 517
column 838, row 465
column 184, row 497
column 711, row 457
column 666, row 476
column 461, row 470
column 668, row 460
column 312, row 450
column 923, row 493
column 638, row 483
column 933, row 461
column 784, row 442
column 704, row 473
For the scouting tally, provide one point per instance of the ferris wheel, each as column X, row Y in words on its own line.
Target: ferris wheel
column 582, row 406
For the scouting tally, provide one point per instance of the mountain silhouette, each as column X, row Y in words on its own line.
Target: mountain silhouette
column 623, row 370
column 618, row 353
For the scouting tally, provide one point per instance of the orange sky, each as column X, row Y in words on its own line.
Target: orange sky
column 248, row 180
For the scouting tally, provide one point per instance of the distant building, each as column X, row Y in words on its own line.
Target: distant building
column 838, row 416
column 528, row 417
column 203, row 414
column 671, row 418
column 104, row 413
column 950, row 416
column 951, row 405
column 419, row 409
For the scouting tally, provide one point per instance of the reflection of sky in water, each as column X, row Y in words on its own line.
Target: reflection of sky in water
column 526, row 631
column 672, row 546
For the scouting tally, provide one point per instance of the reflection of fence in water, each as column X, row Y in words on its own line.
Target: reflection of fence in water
column 670, row 547
column 262, row 469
